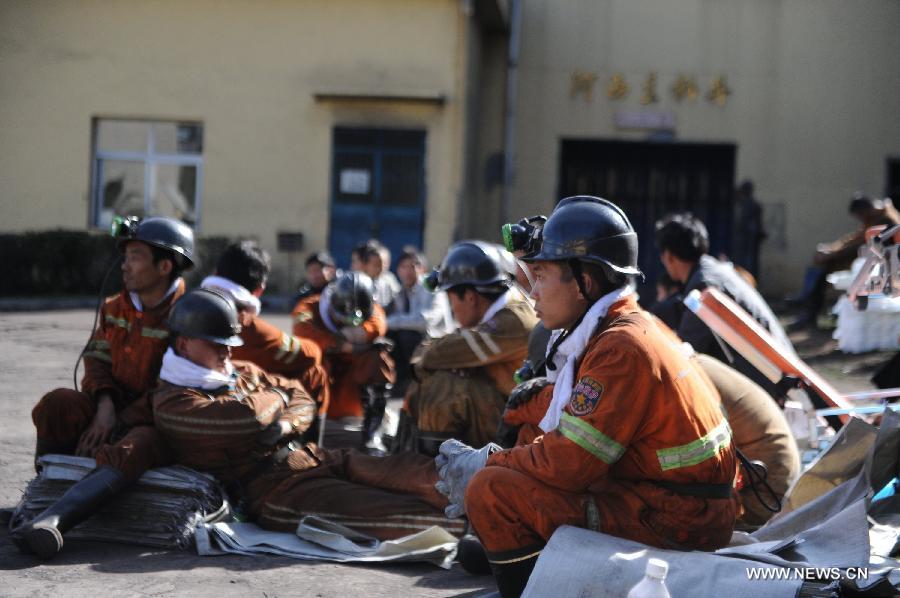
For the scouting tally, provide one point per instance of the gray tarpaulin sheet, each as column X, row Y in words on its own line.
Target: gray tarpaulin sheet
column 825, row 523
column 321, row 540
column 578, row 562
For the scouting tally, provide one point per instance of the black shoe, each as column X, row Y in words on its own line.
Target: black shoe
column 512, row 577
column 471, row 556
column 43, row 535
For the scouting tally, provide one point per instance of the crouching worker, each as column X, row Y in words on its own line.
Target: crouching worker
column 464, row 377
column 245, row 426
column 108, row 419
column 349, row 327
column 634, row 444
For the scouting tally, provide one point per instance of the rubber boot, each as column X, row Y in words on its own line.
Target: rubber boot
column 512, row 578
column 43, row 535
column 471, row 555
column 373, row 415
column 44, row 446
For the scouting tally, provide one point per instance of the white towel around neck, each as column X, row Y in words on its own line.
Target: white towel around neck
column 568, row 354
column 136, row 299
column 183, row 372
column 243, row 298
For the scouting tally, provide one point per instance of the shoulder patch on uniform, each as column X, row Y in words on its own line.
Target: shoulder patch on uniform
column 585, row 396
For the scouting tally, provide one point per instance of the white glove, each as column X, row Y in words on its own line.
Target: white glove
column 456, row 463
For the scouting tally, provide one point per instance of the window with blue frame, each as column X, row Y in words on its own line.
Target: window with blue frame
column 146, row 168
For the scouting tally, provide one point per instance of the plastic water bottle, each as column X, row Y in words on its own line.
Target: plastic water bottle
column 654, row 583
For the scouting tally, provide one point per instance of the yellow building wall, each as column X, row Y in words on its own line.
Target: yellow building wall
column 814, row 110
column 247, row 70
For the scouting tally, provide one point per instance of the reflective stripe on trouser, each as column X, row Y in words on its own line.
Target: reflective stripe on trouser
column 384, row 497
column 513, row 512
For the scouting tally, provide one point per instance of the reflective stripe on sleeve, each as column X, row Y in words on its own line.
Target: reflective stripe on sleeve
column 290, row 348
column 590, row 439
column 155, row 333
column 120, row 322
column 698, row 451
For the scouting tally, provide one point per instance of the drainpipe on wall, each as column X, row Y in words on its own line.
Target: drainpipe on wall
column 509, row 133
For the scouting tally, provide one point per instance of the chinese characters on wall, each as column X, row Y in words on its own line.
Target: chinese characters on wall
column 683, row 89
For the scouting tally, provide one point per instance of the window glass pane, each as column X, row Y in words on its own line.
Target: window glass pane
column 174, row 192
column 177, row 138
column 121, row 136
column 401, row 179
column 354, row 177
column 355, row 137
column 121, row 190
column 400, row 139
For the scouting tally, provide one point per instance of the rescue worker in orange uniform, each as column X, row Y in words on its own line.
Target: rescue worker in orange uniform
column 465, row 377
column 245, row 426
column 348, row 326
column 635, row 444
column 241, row 274
column 106, row 419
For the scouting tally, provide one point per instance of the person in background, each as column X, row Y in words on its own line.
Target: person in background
column 241, row 274
column 748, row 230
column 377, row 261
column 839, row 254
column 464, row 378
column 349, row 327
column 668, row 306
column 417, row 314
column 761, row 432
column 358, row 258
column 320, row 270
column 684, row 245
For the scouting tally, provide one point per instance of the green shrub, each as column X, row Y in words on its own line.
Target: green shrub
column 66, row 262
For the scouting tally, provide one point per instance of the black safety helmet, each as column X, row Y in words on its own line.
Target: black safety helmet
column 206, row 314
column 352, row 299
column 476, row 263
column 589, row 229
column 165, row 233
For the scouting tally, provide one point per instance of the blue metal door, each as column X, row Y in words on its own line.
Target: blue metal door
column 377, row 189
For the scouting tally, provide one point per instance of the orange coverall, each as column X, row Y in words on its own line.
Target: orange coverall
column 640, row 415
column 387, row 497
column 280, row 353
column 123, row 359
column 348, row 372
